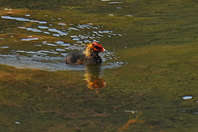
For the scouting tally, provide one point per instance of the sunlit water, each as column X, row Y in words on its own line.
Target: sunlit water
column 149, row 96
column 52, row 57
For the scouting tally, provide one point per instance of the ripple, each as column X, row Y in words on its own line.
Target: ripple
column 46, row 32
column 119, row 8
column 72, row 28
column 129, row 15
column 44, row 63
column 76, row 39
column 4, row 47
column 62, row 24
column 29, row 39
column 43, row 27
column 57, row 31
column 59, row 42
column 115, row 2
column 111, row 14
column 56, row 35
column 60, row 50
column 50, row 55
column 22, row 19
column 85, row 33
column 31, row 29
column 20, row 51
column 42, row 22
column 15, row 18
column 30, row 52
column 187, row 97
column 64, row 44
column 51, row 44
column 37, row 45
column 73, row 36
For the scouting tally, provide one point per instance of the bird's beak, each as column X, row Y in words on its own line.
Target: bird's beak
column 103, row 49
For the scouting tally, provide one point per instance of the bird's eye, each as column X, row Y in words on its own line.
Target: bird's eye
column 97, row 47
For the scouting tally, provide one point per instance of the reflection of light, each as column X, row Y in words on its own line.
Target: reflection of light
column 93, row 84
column 22, row 19
column 92, row 77
column 50, row 55
column 187, row 97
column 29, row 39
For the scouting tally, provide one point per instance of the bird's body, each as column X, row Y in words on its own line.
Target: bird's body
column 89, row 57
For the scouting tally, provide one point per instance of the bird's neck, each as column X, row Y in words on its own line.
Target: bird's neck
column 90, row 53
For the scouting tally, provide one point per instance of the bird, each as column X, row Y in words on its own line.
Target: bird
column 89, row 57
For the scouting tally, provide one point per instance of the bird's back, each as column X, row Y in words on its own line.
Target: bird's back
column 75, row 58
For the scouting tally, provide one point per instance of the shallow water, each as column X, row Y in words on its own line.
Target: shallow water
column 148, row 81
column 50, row 56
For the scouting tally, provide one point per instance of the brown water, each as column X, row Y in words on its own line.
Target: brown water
column 147, row 82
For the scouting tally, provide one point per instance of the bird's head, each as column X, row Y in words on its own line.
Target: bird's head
column 97, row 47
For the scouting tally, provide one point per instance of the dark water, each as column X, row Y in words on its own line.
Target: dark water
column 148, row 81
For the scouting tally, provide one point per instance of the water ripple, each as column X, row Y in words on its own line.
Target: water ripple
column 4, row 47
column 50, row 55
column 22, row 19
column 29, row 39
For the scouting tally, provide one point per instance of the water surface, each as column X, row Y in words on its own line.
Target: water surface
column 148, row 81
column 46, row 55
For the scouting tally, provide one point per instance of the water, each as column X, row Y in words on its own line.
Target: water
column 148, row 81
column 53, row 58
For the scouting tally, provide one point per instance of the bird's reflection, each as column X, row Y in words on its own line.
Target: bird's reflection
column 92, row 76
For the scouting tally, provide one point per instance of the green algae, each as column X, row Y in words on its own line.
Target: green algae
column 152, row 83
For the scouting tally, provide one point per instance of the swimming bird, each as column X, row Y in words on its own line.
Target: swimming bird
column 89, row 57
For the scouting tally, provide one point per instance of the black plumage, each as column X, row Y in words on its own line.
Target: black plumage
column 89, row 57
